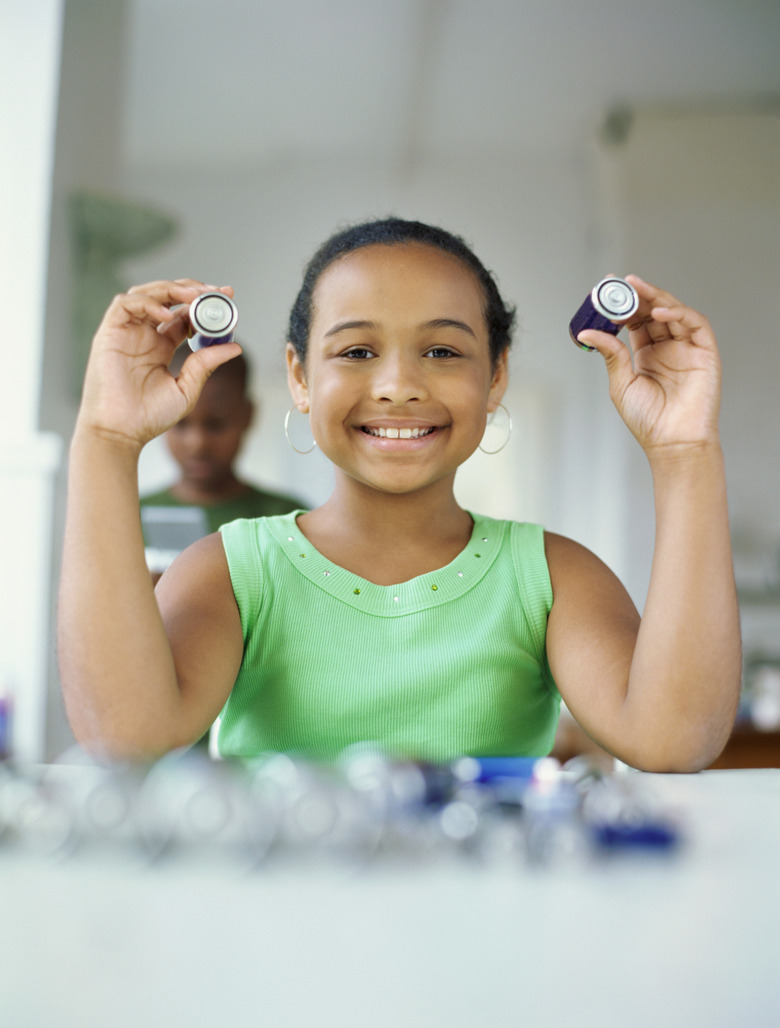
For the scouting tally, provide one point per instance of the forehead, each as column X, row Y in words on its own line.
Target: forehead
column 413, row 279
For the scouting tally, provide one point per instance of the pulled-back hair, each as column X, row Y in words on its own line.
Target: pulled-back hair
column 389, row 232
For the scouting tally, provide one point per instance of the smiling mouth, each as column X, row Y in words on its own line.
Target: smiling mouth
column 398, row 433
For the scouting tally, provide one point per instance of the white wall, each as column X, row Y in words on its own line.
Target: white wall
column 691, row 204
column 87, row 156
column 28, row 458
column 530, row 221
column 701, row 201
column 689, row 200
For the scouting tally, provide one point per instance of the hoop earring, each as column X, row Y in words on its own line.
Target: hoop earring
column 287, row 433
column 507, row 429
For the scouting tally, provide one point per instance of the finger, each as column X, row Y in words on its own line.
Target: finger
column 167, row 302
column 200, row 365
column 163, row 283
column 137, row 307
column 645, row 329
column 651, row 296
column 685, row 323
column 178, row 322
column 171, row 291
column 178, row 291
column 145, row 308
column 653, row 301
column 609, row 346
column 617, row 360
column 177, row 325
column 152, row 304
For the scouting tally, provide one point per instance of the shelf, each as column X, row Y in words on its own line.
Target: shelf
column 747, row 747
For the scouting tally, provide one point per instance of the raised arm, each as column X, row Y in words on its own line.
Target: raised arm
column 662, row 693
column 133, row 683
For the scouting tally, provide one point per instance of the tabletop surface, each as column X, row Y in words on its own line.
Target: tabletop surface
column 688, row 937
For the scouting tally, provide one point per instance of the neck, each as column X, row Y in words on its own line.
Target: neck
column 388, row 538
column 394, row 517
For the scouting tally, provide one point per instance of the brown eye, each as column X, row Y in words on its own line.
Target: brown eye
column 357, row 353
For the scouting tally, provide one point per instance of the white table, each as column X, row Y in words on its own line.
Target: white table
column 690, row 940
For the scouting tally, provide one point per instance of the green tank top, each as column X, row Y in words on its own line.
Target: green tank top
column 451, row 663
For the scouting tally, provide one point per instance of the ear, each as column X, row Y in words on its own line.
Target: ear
column 296, row 380
column 499, row 382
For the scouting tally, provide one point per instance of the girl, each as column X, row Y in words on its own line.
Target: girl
column 390, row 614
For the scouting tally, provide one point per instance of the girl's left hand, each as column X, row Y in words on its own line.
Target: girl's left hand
column 670, row 395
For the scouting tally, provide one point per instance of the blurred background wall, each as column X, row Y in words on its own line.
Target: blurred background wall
column 564, row 141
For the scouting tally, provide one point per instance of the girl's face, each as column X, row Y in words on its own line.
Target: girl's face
column 398, row 379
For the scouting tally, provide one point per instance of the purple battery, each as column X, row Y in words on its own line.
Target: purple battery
column 611, row 303
column 213, row 317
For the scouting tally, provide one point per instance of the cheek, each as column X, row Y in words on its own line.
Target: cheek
column 324, row 418
column 330, row 415
column 473, row 391
column 331, row 396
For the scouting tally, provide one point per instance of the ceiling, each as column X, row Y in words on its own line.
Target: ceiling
column 246, row 82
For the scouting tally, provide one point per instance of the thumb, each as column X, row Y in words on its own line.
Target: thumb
column 617, row 360
column 200, row 365
column 616, row 355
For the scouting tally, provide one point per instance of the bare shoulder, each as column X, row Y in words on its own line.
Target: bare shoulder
column 591, row 634
column 561, row 551
column 200, row 573
column 202, row 622
column 582, row 582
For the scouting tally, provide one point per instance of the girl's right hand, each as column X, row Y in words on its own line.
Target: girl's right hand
column 129, row 394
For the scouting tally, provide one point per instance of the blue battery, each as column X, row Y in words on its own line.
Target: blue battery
column 485, row 770
column 213, row 317
column 609, row 305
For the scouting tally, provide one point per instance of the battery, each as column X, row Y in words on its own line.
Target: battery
column 610, row 303
column 213, row 317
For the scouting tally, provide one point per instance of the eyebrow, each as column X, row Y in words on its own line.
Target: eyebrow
column 449, row 323
column 343, row 326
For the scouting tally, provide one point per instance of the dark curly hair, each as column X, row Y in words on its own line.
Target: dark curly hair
column 389, row 232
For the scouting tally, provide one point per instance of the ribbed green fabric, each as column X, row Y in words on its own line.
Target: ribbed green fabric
column 450, row 663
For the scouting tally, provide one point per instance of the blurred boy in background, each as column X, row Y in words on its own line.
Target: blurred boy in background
column 206, row 445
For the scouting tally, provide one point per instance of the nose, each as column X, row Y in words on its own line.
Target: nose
column 398, row 380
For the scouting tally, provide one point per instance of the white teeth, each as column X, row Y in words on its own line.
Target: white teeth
column 399, row 433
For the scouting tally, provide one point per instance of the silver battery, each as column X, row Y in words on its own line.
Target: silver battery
column 213, row 317
column 610, row 304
